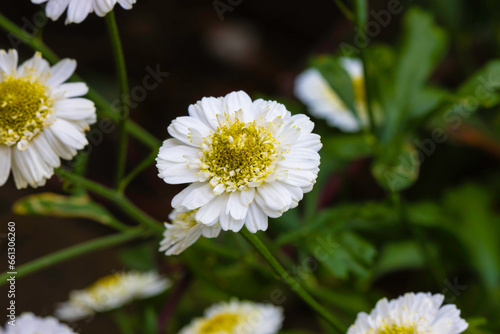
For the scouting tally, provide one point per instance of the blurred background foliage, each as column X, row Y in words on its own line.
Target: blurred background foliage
column 413, row 206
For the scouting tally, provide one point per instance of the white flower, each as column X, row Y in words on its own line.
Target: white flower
column 323, row 102
column 246, row 161
column 237, row 317
column 412, row 313
column 41, row 120
column 79, row 9
column 111, row 292
column 184, row 231
column 27, row 323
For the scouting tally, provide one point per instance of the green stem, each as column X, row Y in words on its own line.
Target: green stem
column 72, row 252
column 123, row 203
column 361, row 10
column 137, row 170
column 291, row 282
column 123, row 321
column 345, row 10
column 103, row 105
column 121, row 71
column 435, row 266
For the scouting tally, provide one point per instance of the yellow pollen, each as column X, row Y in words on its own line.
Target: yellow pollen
column 358, row 85
column 24, row 109
column 187, row 218
column 397, row 330
column 238, row 156
column 109, row 281
column 221, row 323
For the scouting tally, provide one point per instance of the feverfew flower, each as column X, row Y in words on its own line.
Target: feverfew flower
column 79, row 9
column 237, row 317
column 184, row 231
column 246, row 161
column 41, row 118
column 28, row 323
column 111, row 292
column 323, row 102
column 412, row 313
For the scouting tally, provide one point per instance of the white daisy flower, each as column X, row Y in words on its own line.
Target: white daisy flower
column 41, row 118
column 184, row 231
column 237, row 317
column 323, row 102
column 412, row 313
column 78, row 10
column 28, row 323
column 111, row 292
column 246, row 161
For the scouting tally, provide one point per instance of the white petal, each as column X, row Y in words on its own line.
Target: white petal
column 62, row 150
column 72, row 89
column 8, row 61
column 5, row 163
column 76, row 109
column 102, row 7
column 256, row 220
column 55, row 8
column 174, row 150
column 300, row 159
column 127, row 4
column 275, row 195
column 211, row 231
column 63, row 70
column 78, row 10
column 68, row 134
column 193, row 196
column 45, row 150
column 34, row 66
column 228, row 223
column 235, row 101
column 235, row 207
column 209, row 213
column 246, row 197
column 189, row 130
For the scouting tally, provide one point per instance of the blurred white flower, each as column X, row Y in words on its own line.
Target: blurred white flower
column 247, row 161
column 28, row 323
column 111, row 292
column 78, row 10
column 412, row 313
column 237, row 317
column 41, row 120
column 184, row 231
column 323, row 102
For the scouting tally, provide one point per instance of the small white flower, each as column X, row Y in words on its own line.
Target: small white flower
column 323, row 102
column 184, row 231
column 79, row 9
column 237, row 317
column 412, row 313
column 41, row 118
column 247, row 161
column 27, row 323
column 111, row 292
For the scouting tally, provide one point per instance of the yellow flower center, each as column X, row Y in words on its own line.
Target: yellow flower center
column 397, row 330
column 24, row 109
column 187, row 219
column 221, row 323
column 238, row 156
column 110, row 281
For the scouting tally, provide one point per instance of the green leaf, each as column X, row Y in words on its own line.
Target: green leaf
column 470, row 208
column 338, row 78
column 140, row 258
column 150, row 321
column 397, row 167
column 50, row 204
column 423, row 46
column 399, row 255
column 347, row 147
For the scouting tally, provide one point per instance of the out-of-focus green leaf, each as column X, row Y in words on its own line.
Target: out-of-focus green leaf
column 397, row 167
column 139, row 258
column 347, row 147
column 342, row 252
column 50, row 204
column 399, row 255
column 475, row 325
column 423, row 46
column 350, row 301
column 150, row 321
column 338, row 78
column 429, row 214
column 478, row 228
